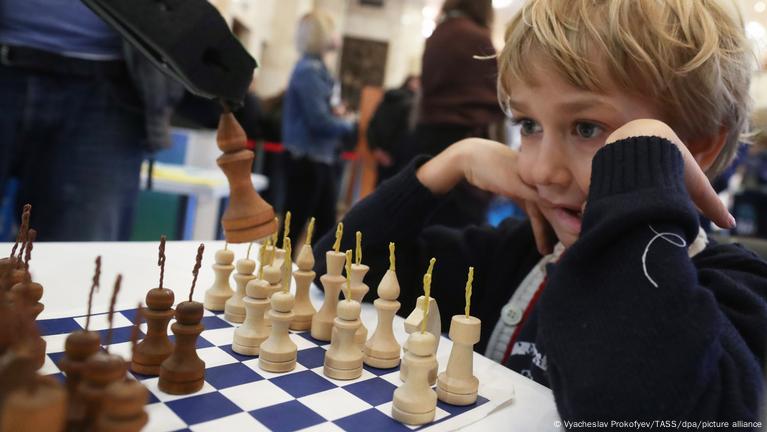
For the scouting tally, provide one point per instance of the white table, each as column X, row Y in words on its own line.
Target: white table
column 206, row 185
column 65, row 271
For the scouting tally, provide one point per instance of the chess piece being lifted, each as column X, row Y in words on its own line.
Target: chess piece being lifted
column 248, row 217
column 457, row 385
column 416, row 319
column 78, row 347
column 253, row 332
column 217, row 295
column 156, row 347
column 343, row 360
column 332, row 281
column 235, row 308
column 184, row 372
column 382, row 349
column 304, row 310
column 278, row 352
column 415, row 402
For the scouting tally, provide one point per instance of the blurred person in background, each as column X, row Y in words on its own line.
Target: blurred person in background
column 311, row 131
column 389, row 131
column 79, row 109
column 459, row 97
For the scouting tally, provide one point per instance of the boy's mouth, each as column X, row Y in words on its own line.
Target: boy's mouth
column 569, row 217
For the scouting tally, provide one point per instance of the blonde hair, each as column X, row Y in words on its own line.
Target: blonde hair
column 689, row 56
column 315, row 33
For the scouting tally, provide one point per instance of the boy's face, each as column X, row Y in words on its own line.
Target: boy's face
column 562, row 128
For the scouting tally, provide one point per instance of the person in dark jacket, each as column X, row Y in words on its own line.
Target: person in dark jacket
column 390, row 128
column 311, row 132
column 610, row 294
column 459, row 97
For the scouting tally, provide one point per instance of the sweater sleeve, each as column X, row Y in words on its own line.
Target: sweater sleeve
column 633, row 328
column 398, row 211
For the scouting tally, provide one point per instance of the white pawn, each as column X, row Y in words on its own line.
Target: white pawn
column 217, row 295
column 304, row 310
column 414, row 402
column 382, row 349
column 343, row 360
column 234, row 310
column 249, row 336
column 332, row 281
column 278, row 351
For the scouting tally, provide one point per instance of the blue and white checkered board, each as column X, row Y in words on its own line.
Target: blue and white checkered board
column 239, row 396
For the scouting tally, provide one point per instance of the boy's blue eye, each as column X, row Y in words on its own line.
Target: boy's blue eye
column 587, row 130
column 527, row 126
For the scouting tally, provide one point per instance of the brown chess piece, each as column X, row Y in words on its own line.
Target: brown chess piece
column 248, row 217
column 156, row 347
column 124, row 400
column 27, row 294
column 12, row 265
column 101, row 370
column 78, row 347
column 184, row 372
column 40, row 406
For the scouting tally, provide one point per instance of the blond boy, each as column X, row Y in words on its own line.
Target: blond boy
column 624, row 107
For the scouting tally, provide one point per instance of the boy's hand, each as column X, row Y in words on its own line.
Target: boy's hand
column 490, row 166
column 700, row 189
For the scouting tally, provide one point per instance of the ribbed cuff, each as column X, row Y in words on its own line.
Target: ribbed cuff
column 635, row 163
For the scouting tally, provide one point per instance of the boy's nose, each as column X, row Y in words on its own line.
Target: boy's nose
column 550, row 165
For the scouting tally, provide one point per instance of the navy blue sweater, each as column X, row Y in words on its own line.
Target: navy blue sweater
column 614, row 345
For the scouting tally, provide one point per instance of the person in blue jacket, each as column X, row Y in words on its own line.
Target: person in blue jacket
column 311, row 131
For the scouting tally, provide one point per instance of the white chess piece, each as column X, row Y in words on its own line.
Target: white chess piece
column 382, row 349
column 415, row 402
column 278, row 352
column 253, row 332
column 217, row 295
column 332, row 281
column 433, row 326
column 343, row 359
column 304, row 310
column 457, row 385
column 234, row 310
column 359, row 289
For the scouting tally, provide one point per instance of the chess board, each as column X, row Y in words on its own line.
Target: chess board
column 239, row 396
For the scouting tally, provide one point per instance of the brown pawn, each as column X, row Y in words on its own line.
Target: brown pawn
column 248, row 217
column 156, row 346
column 101, row 370
column 40, row 407
column 184, row 372
column 123, row 407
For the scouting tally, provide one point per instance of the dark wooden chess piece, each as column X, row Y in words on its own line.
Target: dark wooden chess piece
column 124, row 400
column 13, row 264
column 27, row 294
column 28, row 402
column 184, row 372
column 248, row 217
column 101, row 370
column 156, row 347
column 78, row 347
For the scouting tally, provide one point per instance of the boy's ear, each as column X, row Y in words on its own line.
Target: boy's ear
column 705, row 150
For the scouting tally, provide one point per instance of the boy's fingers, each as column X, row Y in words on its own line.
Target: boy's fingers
column 541, row 231
column 705, row 198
